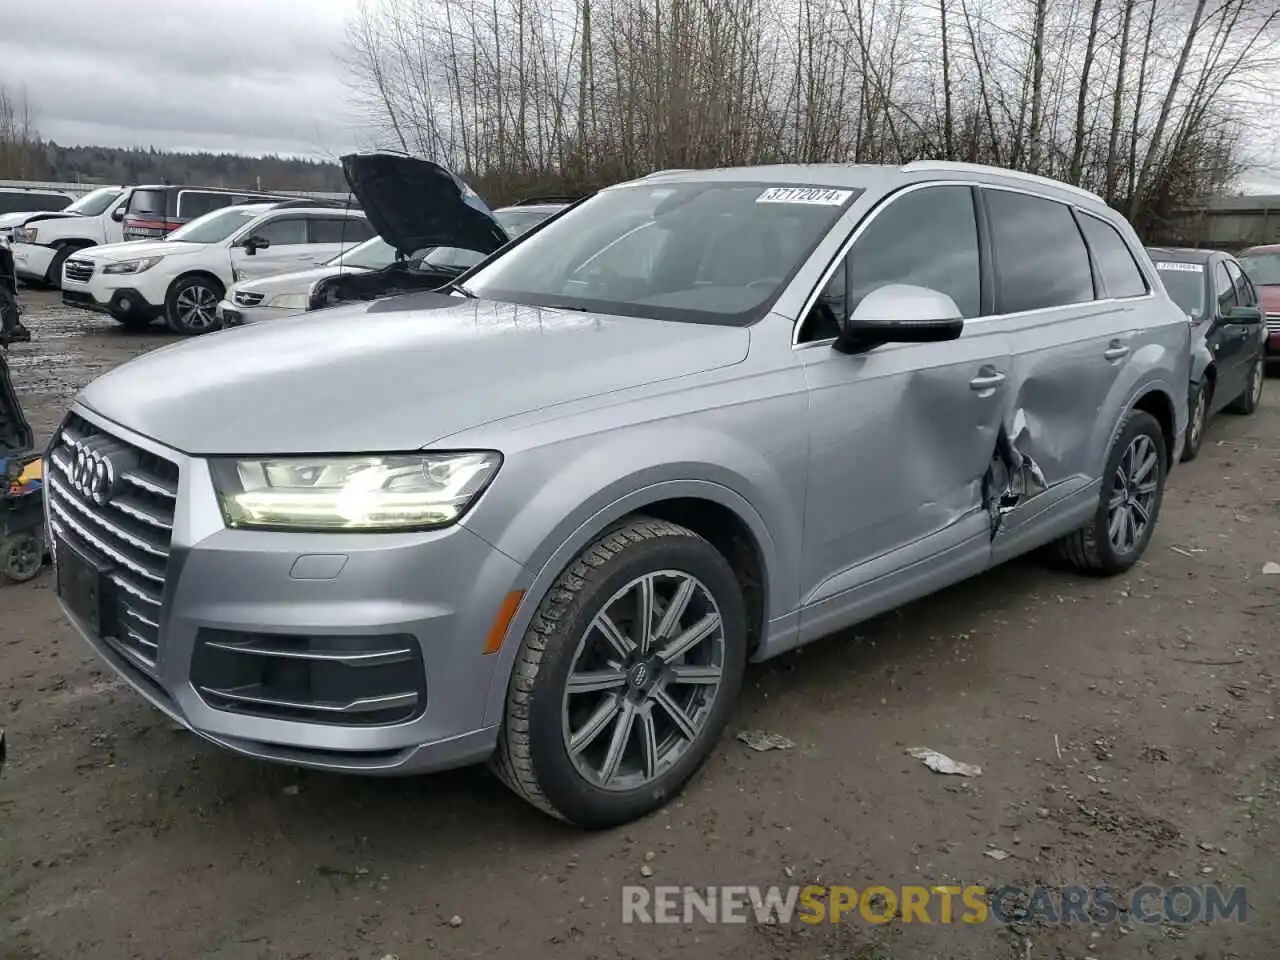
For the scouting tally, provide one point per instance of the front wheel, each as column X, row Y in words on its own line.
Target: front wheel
column 1128, row 503
column 625, row 679
column 191, row 306
column 1249, row 400
column 1198, row 415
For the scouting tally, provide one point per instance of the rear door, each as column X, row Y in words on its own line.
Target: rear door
column 1070, row 339
column 329, row 236
column 1231, row 342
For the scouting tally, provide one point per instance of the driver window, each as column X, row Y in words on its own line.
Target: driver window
column 1224, row 289
column 1244, row 290
column 927, row 238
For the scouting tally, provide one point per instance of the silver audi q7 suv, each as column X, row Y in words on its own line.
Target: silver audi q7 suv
column 544, row 517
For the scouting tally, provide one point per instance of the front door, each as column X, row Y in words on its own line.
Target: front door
column 1227, row 341
column 286, row 249
column 901, row 436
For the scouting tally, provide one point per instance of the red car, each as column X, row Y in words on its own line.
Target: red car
column 1262, row 265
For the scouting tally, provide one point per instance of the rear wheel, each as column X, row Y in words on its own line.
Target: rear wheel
column 1249, row 400
column 191, row 306
column 1128, row 503
column 625, row 679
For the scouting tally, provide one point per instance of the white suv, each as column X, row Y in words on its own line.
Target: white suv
column 43, row 241
column 182, row 277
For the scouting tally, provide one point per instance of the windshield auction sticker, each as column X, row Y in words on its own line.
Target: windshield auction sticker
column 818, row 196
column 1181, row 267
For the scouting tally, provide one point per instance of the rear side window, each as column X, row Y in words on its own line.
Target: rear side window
column 1040, row 257
column 1120, row 274
column 193, row 203
column 147, row 203
column 340, row 230
column 26, row 201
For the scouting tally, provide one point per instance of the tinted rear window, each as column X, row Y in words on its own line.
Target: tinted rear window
column 1120, row 274
column 147, row 203
column 1041, row 259
column 24, row 201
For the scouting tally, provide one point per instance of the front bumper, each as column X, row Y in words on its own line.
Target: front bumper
column 117, row 301
column 434, row 595
column 1272, row 348
column 31, row 261
column 235, row 315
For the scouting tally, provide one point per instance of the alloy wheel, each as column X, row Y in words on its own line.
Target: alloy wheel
column 197, row 307
column 1133, row 491
column 1198, row 417
column 21, row 557
column 643, row 680
column 1256, row 379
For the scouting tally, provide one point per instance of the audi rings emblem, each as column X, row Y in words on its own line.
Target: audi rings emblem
column 92, row 475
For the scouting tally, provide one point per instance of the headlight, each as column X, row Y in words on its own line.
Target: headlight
column 24, row 235
column 289, row 301
column 132, row 266
column 374, row 493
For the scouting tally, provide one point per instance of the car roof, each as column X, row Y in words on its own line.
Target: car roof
column 877, row 178
column 532, row 208
column 1261, row 248
column 187, row 186
column 1184, row 254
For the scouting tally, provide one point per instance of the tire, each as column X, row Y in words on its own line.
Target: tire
column 184, row 293
column 533, row 756
column 1197, row 419
column 53, row 276
column 1249, row 400
column 21, row 557
column 1091, row 549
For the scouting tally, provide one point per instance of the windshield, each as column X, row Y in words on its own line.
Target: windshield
column 1185, row 283
column 373, row 254
column 216, row 226
column 514, row 222
column 95, row 202
column 704, row 252
column 1263, row 268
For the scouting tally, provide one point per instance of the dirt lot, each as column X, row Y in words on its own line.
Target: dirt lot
column 1127, row 732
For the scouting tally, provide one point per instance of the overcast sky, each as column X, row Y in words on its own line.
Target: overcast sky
column 241, row 76
column 235, row 76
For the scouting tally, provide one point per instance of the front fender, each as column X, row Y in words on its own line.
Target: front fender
column 1201, row 359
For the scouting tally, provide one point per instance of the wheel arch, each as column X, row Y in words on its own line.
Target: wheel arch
column 197, row 272
column 1156, row 401
column 713, row 511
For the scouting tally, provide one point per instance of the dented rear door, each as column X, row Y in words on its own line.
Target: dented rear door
column 1069, row 344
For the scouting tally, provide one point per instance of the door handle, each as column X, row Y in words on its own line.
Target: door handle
column 1116, row 351
column 987, row 381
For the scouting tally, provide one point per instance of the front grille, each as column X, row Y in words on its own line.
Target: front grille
column 246, row 299
column 78, row 270
column 128, row 534
column 1273, row 322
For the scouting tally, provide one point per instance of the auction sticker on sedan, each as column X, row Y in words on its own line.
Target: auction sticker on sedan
column 816, row 195
column 1181, row 267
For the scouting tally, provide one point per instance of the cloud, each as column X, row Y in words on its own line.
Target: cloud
column 244, row 76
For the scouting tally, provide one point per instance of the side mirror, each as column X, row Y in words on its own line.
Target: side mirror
column 1244, row 315
column 900, row 313
column 118, row 214
column 253, row 244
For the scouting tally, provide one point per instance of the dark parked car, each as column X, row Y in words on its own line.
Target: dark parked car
column 1228, row 337
column 1262, row 267
column 153, row 212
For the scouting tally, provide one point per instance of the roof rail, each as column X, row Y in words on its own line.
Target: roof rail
column 550, row 198
column 658, row 173
column 317, row 202
column 943, row 166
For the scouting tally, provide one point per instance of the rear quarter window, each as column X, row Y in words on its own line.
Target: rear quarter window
column 22, row 201
column 1121, row 276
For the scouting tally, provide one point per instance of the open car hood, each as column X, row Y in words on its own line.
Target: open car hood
column 414, row 204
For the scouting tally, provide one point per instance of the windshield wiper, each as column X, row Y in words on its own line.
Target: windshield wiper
column 454, row 285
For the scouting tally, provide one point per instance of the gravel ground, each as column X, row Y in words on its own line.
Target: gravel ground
column 1126, row 729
